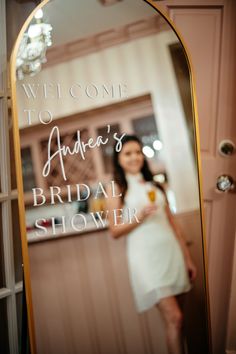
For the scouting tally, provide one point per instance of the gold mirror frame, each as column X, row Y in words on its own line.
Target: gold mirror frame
column 21, row 205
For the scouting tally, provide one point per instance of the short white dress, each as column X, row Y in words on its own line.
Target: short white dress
column 155, row 259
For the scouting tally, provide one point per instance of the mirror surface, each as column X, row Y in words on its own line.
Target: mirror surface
column 110, row 242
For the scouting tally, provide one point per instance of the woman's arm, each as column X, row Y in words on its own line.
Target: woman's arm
column 179, row 235
column 122, row 229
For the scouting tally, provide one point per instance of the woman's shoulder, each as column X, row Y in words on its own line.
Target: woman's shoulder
column 162, row 190
column 160, row 186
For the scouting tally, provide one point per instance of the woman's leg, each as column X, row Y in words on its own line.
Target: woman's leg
column 173, row 318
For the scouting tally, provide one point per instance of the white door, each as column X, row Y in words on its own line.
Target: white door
column 209, row 30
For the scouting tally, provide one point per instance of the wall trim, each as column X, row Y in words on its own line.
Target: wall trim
column 109, row 38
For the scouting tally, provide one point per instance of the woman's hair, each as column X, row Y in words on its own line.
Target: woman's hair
column 119, row 174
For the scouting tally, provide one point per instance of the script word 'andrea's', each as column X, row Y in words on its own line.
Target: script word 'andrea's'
column 80, row 148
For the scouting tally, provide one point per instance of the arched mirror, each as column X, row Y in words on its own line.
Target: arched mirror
column 105, row 131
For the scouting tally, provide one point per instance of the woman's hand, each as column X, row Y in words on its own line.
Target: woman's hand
column 192, row 270
column 147, row 211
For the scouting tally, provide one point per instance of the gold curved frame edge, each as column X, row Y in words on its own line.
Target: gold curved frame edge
column 21, row 205
column 198, row 155
column 25, row 254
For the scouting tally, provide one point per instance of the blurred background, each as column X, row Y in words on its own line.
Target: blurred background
column 212, row 30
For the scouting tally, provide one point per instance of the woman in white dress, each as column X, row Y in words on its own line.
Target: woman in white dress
column 160, row 266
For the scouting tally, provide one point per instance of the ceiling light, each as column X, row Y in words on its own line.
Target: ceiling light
column 157, row 144
column 148, row 151
column 39, row 14
column 32, row 50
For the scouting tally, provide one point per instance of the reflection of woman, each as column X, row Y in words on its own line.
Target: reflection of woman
column 160, row 266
